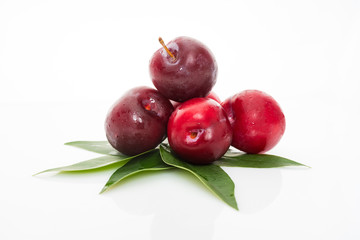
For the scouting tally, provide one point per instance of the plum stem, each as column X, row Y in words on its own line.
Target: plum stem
column 165, row 47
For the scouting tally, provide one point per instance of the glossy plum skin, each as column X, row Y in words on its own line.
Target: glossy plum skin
column 191, row 75
column 257, row 121
column 199, row 131
column 214, row 96
column 137, row 122
column 211, row 95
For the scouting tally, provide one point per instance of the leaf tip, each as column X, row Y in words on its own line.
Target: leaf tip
column 234, row 205
column 303, row 165
column 48, row 170
column 69, row 143
column 103, row 190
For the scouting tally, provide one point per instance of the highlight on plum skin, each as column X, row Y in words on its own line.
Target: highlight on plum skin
column 199, row 131
column 257, row 121
column 137, row 122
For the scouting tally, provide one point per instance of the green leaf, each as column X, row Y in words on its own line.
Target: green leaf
column 102, row 147
column 239, row 159
column 150, row 161
column 89, row 164
column 212, row 176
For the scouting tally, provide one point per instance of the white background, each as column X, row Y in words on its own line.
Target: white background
column 63, row 64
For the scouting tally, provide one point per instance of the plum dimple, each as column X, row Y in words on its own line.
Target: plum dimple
column 194, row 135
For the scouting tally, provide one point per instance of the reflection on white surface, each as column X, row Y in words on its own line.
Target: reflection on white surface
column 180, row 204
column 255, row 189
column 185, row 222
column 176, row 200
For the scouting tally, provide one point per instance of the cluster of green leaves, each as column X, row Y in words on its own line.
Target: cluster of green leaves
column 162, row 158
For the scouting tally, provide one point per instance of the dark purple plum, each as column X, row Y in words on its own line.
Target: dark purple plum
column 137, row 122
column 190, row 71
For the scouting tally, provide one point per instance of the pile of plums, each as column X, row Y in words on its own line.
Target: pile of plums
column 199, row 127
